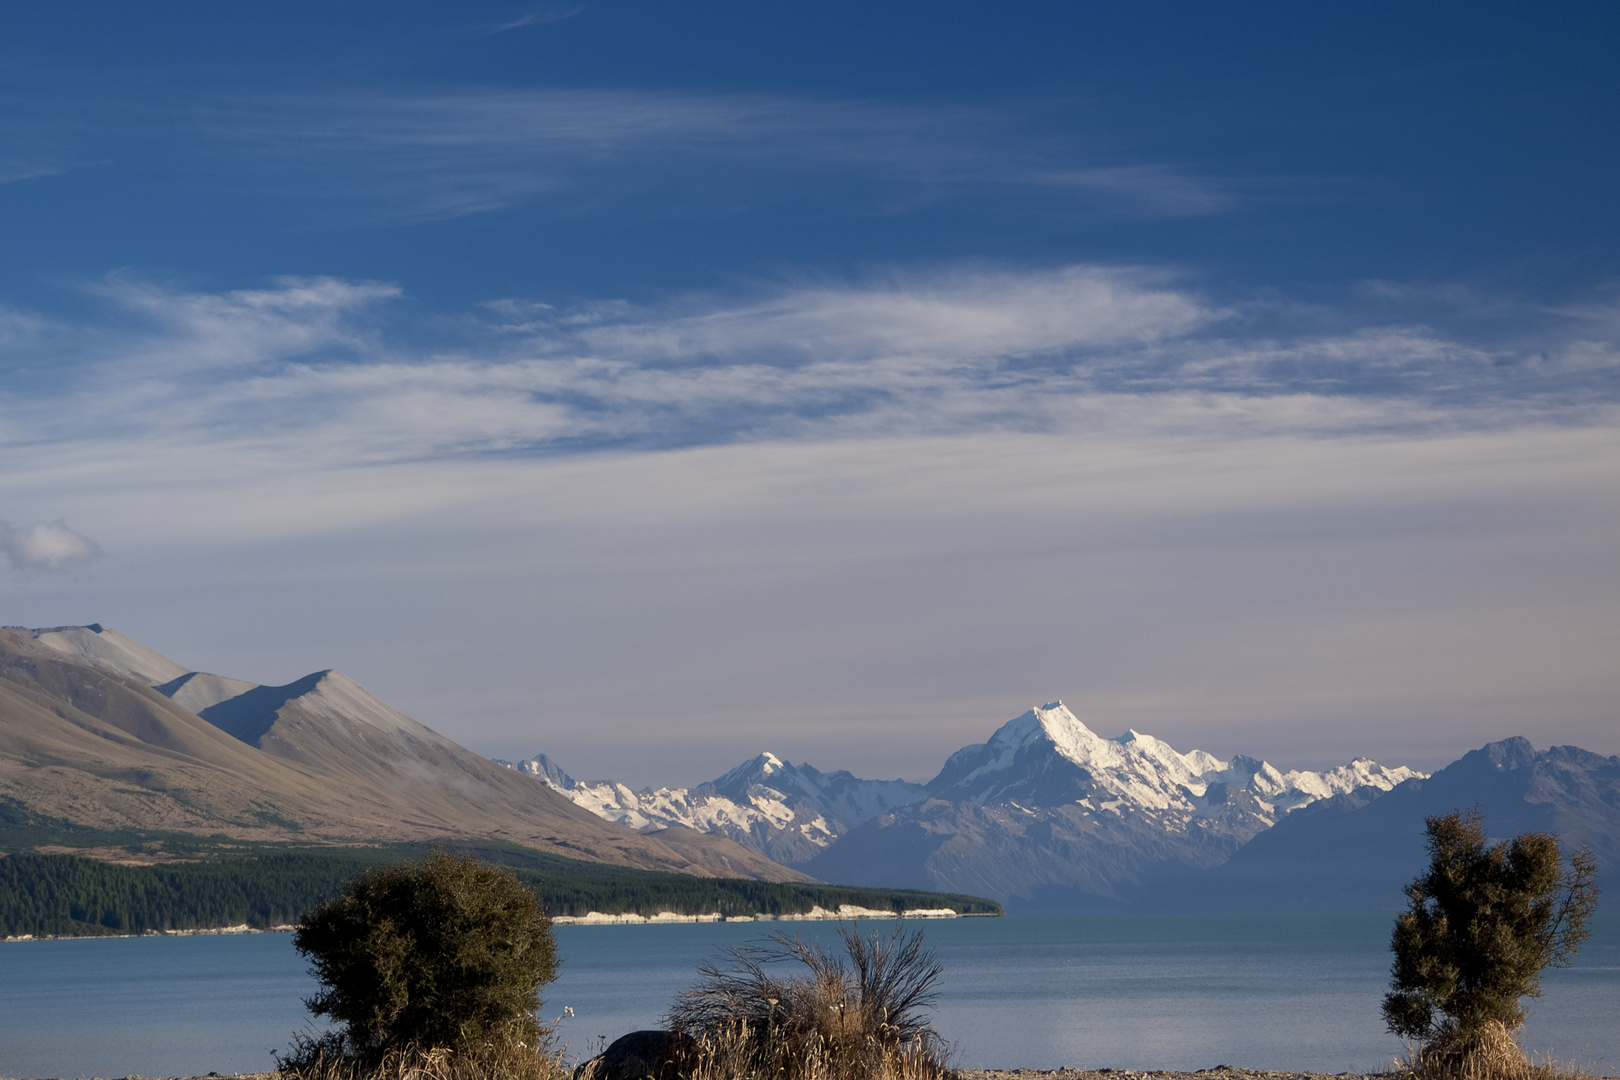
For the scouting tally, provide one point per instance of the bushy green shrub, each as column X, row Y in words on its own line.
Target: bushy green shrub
column 443, row 953
column 1484, row 921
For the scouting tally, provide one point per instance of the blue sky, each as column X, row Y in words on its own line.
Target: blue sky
column 651, row 383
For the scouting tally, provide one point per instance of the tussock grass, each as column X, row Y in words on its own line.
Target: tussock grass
column 1491, row 1053
column 859, row 1016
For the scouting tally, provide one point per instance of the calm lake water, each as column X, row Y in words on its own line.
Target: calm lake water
column 1137, row 992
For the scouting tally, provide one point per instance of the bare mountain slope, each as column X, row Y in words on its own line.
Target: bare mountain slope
column 85, row 739
column 107, row 649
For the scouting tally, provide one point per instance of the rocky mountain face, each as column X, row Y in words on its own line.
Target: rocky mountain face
column 1045, row 815
column 97, row 730
column 786, row 812
column 1355, row 853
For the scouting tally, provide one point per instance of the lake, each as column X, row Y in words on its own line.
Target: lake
column 1132, row 992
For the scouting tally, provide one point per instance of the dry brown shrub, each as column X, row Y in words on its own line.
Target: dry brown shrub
column 1490, row 1053
column 741, row 1052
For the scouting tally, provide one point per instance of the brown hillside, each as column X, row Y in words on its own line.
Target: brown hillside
column 319, row 760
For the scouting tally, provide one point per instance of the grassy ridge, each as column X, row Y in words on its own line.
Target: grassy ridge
column 63, row 895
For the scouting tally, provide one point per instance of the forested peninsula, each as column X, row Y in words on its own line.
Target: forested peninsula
column 65, row 895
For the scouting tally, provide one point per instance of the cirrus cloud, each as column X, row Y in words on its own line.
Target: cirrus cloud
column 327, row 373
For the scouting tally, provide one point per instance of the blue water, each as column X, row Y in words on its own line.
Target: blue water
column 1134, row 992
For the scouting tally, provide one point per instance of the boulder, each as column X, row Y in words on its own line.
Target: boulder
column 640, row 1055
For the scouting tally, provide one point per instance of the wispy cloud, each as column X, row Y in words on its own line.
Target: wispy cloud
column 13, row 171
column 431, row 154
column 314, row 369
column 1153, row 190
column 534, row 15
column 445, row 156
column 439, row 155
column 46, row 546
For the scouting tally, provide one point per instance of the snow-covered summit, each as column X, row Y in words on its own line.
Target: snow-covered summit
column 1048, row 757
column 756, row 770
column 1051, row 813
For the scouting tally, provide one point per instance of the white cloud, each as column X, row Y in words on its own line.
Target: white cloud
column 46, row 546
column 298, row 317
column 312, row 373
column 966, row 315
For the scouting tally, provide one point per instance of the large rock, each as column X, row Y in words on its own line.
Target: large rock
column 640, row 1055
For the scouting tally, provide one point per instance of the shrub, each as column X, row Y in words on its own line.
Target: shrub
column 857, row 1017
column 1484, row 922
column 444, row 954
column 1491, row 1054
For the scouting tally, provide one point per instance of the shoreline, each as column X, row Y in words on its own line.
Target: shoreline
column 816, row 914
column 213, row 931
column 593, row 918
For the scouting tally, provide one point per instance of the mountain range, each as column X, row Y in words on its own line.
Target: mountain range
column 100, row 735
column 787, row 812
column 98, row 732
column 1354, row 852
column 1046, row 813
column 1046, row 816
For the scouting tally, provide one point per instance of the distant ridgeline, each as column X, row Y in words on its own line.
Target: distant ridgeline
column 66, row 896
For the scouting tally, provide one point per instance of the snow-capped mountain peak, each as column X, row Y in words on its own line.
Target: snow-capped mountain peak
column 1048, row 757
column 788, row 812
column 1047, row 806
column 545, row 770
column 759, row 769
column 1193, row 765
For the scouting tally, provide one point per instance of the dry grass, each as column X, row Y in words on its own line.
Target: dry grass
column 741, row 1052
column 1493, row 1053
column 489, row 1059
column 853, row 1017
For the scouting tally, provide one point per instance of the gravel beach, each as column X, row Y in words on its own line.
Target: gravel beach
column 1220, row 1072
